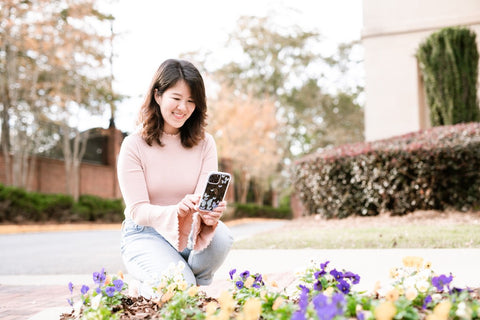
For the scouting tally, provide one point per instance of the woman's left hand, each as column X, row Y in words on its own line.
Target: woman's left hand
column 210, row 218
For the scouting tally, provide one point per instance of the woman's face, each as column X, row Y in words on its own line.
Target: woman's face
column 176, row 106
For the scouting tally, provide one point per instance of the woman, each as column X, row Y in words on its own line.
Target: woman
column 162, row 170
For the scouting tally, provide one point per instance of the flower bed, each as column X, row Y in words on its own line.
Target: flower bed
column 319, row 292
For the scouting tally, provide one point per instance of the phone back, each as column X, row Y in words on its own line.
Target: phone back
column 215, row 190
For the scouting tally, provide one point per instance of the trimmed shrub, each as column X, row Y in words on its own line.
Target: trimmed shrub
column 93, row 208
column 251, row 210
column 20, row 206
column 430, row 169
column 448, row 60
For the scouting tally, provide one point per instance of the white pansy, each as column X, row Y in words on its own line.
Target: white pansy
column 77, row 308
column 463, row 311
column 422, row 286
column 95, row 302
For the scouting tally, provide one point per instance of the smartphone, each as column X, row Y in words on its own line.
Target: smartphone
column 215, row 190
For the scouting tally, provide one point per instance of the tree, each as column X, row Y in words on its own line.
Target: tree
column 448, row 60
column 315, row 104
column 245, row 130
column 56, row 74
column 323, row 119
column 20, row 71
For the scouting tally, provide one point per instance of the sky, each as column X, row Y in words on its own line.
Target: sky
column 151, row 31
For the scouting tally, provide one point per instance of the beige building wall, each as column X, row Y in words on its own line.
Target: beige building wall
column 392, row 32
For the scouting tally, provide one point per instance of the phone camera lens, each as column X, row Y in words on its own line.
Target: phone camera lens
column 214, row 178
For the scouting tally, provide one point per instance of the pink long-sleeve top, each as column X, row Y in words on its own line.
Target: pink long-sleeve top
column 153, row 179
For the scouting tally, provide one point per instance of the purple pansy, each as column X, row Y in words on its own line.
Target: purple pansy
column 231, row 273
column 426, row 301
column 318, row 286
column 324, row 265
column 343, row 286
column 239, row 284
column 303, row 299
column 70, row 287
column 84, row 289
column 324, row 310
column 110, row 291
column 319, row 274
column 298, row 315
column 360, row 316
column 338, row 275
column 99, row 277
column 441, row 281
column 244, row 275
column 118, row 283
column 355, row 278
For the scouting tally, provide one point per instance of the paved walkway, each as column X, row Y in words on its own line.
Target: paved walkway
column 44, row 296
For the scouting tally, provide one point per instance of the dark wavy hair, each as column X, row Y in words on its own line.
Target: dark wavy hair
column 168, row 74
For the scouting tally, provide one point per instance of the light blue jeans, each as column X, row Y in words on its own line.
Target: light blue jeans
column 147, row 255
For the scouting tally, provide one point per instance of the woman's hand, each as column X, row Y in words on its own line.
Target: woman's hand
column 210, row 218
column 188, row 205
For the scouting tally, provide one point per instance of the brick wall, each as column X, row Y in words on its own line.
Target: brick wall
column 48, row 175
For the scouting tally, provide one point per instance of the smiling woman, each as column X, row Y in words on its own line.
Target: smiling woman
column 162, row 169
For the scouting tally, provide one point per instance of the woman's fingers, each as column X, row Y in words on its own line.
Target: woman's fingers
column 188, row 204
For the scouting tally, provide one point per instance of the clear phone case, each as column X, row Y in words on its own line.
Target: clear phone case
column 215, row 190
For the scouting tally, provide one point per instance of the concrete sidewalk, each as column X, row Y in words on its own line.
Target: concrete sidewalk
column 44, row 297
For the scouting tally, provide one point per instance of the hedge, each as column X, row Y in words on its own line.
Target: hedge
column 429, row 169
column 251, row 210
column 19, row 206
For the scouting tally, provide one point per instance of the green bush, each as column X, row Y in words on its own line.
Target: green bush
column 448, row 60
column 19, row 206
column 93, row 208
column 431, row 169
column 251, row 210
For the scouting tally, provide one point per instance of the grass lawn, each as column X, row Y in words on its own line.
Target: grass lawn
column 417, row 230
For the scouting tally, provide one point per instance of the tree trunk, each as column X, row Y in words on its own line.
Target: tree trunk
column 5, row 138
column 81, row 141
column 67, row 156
column 244, row 184
column 259, row 192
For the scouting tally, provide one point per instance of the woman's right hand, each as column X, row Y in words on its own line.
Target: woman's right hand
column 188, row 204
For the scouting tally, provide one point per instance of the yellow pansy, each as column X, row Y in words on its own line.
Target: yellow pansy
column 411, row 293
column 167, row 296
column 182, row 285
column 277, row 303
column 192, row 291
column 171, row 287
column 252, row 309
column 441, row 310
column 385, row 311
column 328, row 292
column 248, row 283
column 210, row 308
column 413, row 262
column 226, row 301
column 392, row 295
column 394, row 273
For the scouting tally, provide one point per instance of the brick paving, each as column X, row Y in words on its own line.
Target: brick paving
column 23, row 302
